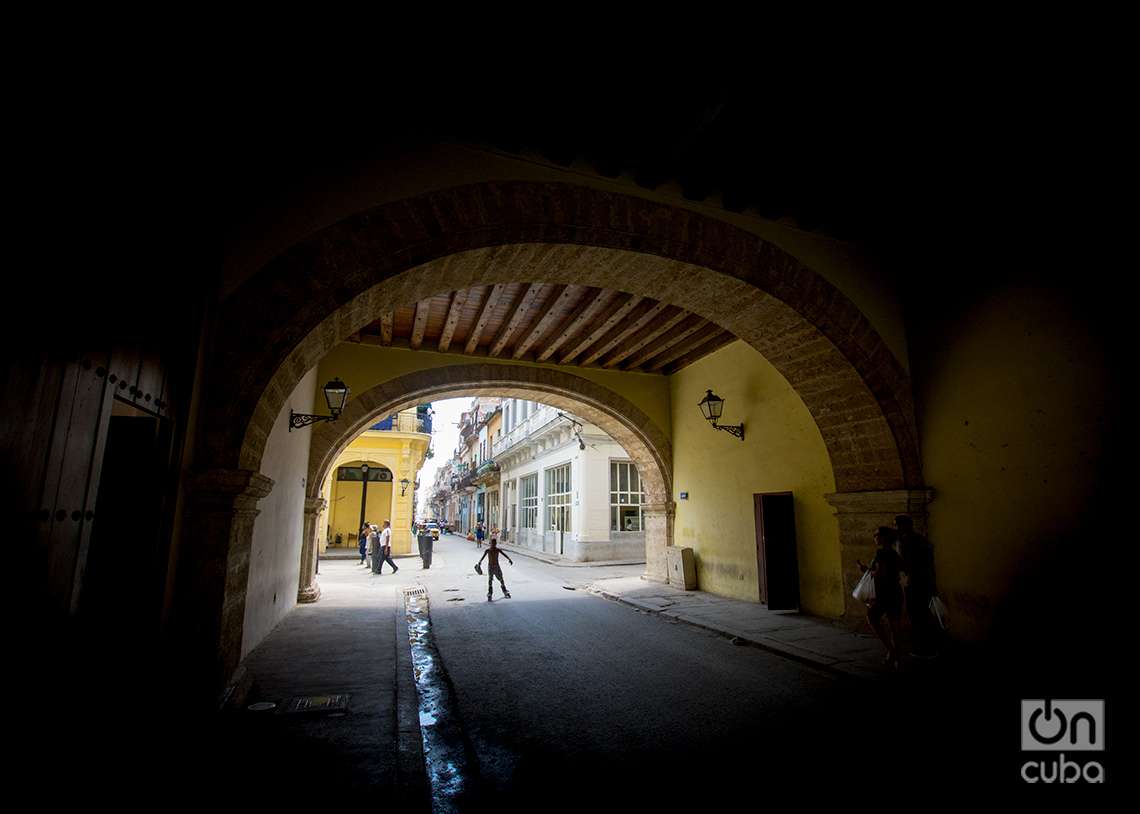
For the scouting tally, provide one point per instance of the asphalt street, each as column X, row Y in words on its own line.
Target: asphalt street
column 563, row 697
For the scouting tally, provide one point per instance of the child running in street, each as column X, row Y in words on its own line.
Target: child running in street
column 493, row 570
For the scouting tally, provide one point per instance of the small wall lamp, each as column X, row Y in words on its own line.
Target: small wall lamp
column 712, row 406
column 403, row 486
column 577, row 430
column 336, row 393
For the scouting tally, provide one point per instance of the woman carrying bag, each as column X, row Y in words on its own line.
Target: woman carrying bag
column 884, row 608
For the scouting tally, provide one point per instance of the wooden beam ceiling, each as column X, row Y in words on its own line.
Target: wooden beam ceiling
column 554, row 323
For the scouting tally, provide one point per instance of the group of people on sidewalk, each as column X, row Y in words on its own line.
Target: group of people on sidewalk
column 903, row 573
column 376, row 546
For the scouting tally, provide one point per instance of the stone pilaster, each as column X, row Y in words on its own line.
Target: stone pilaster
column 213, row 573
column 658, row 536
column 859, row 514
column 308, row 590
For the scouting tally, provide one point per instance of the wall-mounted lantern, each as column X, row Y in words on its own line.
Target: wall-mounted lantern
column 404, row 486
column 577, row 430
column 336, row 393
column 711, row 408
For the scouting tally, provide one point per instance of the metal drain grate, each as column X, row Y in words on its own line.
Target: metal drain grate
column 418, row 590
column 317, row 704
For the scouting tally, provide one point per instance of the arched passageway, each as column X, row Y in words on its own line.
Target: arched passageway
column 323, row 290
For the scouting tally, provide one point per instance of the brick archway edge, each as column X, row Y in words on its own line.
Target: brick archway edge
column 645, row 443
column 281, row 322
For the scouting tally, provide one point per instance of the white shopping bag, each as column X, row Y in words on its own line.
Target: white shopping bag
column 865, row 590
column 938, row 611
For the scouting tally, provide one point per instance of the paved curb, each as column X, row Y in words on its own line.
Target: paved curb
column 841, row 669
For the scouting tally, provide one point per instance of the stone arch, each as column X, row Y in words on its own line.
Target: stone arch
column 324, row 289
column 646, row 444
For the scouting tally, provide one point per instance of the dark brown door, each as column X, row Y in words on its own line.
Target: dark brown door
column 122, row 587
column 776, row 551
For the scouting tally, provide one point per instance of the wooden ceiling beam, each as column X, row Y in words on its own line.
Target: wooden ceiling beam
column 454, row 310
column 646, row 337
column 560, row 297
column 420, row 323
column 484, row 314
column 586, row 310
column 517, row 316
column 386, row 320
column 692, row 349
column 684, row 331
column 619, row 310
column 714, row 344
column 622, row 332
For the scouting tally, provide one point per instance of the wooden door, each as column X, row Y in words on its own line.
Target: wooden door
column 776, row 560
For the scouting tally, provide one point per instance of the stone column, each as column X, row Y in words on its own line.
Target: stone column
column 308, row 590
column 658, row 536
column 213, row 572
column 859, row 514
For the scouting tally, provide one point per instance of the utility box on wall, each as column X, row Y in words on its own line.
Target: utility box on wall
column 682, row 567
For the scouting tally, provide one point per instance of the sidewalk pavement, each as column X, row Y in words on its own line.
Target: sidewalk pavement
column 819, row 642
column 809, row 639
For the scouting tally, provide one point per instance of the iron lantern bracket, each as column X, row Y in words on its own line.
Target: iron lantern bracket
column 299, row 420
column 735, row 429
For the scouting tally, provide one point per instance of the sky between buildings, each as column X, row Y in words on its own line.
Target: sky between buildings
column 445, row 435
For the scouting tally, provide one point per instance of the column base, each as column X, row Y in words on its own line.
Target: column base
column 308, row 595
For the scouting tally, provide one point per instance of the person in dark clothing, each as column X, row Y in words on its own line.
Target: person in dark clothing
column 364, row 531
column 493, row 570
column 885, row 610
column 918, row 564
column 479, row 535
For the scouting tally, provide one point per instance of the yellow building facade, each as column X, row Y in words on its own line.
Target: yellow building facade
column 391, row 456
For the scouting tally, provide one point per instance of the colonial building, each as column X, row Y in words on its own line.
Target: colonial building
column 568, row 488
column 372, row 480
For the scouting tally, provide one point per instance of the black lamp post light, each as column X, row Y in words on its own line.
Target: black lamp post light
column 712, row 406
column 404, row 486
column 336, row 393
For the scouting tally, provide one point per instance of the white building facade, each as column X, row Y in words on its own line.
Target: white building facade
column 583, row 504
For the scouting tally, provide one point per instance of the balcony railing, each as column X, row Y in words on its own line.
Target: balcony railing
column 404, row 423
column 487, row 471
column 532, row 424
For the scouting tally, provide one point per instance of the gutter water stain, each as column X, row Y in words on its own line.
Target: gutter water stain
column 445, row 756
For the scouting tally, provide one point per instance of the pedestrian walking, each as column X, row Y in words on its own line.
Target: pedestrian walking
column 480, row 533
column 885, row 610
column 373, row 547
column 383, row 550
column 918, row 565
column 493, row 570
column 364, row 531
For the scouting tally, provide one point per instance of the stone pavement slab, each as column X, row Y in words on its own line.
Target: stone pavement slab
column 805, row 638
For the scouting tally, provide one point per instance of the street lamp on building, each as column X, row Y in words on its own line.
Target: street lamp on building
column 404, row 486
column 712, row 406
column 336, row 393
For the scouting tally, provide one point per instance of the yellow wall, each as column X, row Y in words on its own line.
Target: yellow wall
column 1016, row 397
column 345, row 506
column 782, row 451
column 364, row 366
